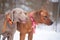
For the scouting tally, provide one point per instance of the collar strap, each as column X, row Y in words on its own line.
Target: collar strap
column 33, row 24
column 10, row 21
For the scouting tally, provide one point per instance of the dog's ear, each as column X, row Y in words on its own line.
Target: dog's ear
column 44, row 11
column 38, row 13
column 12, row 15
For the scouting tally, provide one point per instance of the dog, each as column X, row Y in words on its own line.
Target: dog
column 11, row 17
column 34, row 18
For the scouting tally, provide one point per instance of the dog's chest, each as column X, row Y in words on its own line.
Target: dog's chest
column 10, row 27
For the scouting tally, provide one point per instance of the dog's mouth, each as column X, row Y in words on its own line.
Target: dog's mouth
column 50, row 23
column 22, row 21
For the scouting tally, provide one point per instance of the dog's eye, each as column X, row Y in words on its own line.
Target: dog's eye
column 25, row 13
column 45, row 16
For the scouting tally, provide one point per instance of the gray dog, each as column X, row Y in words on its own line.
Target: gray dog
column 8, row 28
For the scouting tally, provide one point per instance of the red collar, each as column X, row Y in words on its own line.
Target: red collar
column 33, row 22
column 10, row 21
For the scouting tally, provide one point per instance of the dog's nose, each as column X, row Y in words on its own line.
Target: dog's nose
column 51, row 23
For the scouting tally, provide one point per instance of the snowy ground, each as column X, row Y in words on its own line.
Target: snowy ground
column 41, row 35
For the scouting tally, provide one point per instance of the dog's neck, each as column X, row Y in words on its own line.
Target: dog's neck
column 34, row 17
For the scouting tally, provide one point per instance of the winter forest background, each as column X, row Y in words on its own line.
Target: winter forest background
column 43, row 32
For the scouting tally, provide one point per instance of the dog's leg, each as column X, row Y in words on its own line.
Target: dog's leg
column 30, row 35
column 10, row 37
column 22, row 36
column 3, row 38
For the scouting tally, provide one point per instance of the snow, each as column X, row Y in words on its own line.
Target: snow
column 42, row 33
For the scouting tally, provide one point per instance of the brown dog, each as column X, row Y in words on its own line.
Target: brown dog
column 40, row 16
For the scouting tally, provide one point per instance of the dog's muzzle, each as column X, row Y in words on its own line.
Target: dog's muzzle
column 23, row 21
column 51, row 23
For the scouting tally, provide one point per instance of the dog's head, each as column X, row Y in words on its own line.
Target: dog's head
column 19, row 15
column 43, row 17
